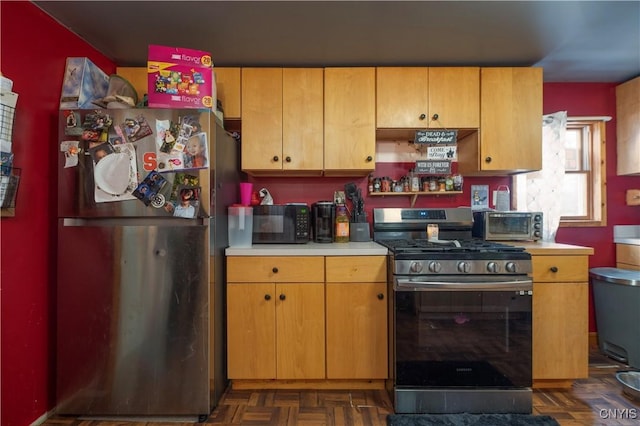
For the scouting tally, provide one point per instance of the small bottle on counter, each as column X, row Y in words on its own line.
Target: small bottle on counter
column 342, row 224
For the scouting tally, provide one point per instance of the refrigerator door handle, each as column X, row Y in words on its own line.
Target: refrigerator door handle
column 146, row 221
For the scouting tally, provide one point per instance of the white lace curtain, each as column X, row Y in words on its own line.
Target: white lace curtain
column 541, row 191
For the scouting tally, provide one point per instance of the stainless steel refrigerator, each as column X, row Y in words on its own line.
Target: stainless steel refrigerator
column 140, row 290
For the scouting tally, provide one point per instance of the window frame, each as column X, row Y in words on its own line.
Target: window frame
column 596, row 182
column 597, row 174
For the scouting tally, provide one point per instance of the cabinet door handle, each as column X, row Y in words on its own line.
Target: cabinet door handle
column 422, row 116
column 380, row 296
column 287, row 159
column 488, row 159
column 282, row 297
column 554, row 269
column 275, row 158
column 434, row 117
column 369, row 159
column 267, row 297
column 275, row 270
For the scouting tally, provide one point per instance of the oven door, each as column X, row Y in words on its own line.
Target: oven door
column 458, row 332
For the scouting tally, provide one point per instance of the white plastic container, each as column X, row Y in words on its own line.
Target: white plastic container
column 240, row 226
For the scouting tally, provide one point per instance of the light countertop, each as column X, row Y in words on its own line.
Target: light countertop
column 626, row 234
column 369, row 248
column 550, row 248
column 374, row 249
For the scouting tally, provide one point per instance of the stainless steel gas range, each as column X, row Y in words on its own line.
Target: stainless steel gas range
column 460, row 315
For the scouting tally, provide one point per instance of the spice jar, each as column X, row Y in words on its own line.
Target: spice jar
column 386, row 184
column 448, row 183
column 377, row 185
column 433, row 184
column 457, row 182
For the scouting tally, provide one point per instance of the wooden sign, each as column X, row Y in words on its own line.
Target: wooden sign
column 433, row 167
column 442, row 152
column 435, row 137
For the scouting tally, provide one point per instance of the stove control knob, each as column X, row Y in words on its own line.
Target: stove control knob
column 435, row 267
column 416, row 267
column 493, row 267
column 511, row 267
column 464, row 267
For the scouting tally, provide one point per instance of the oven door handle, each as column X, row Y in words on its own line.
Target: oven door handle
column 493, row 285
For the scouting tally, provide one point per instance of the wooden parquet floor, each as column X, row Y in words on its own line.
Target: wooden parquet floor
column 597, row 400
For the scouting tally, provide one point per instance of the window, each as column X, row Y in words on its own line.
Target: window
column 583, row 195
column 579, row 163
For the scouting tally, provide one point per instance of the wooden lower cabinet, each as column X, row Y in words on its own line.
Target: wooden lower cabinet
column 560, row 319
column 251, row 331
column 356, row 331
column 628, row 256
column 314, row 332
column 275, row 317
column 356, row 306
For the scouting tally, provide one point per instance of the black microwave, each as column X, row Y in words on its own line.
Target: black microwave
column 507, row 225
column 281, row 224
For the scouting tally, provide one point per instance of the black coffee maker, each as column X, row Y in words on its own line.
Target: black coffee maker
column 323, row 219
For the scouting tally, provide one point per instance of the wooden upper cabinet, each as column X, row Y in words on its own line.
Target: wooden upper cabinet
column 628, row 127
column 349, row 121
column 402, row 97
column 261, row 119
column 510, row 135
column 302, row 119
column 434, row 97
column 282, row 120
column 228, row 91
column 137, row 76
column 454, row 96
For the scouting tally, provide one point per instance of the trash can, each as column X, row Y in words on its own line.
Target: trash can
column 616, row 297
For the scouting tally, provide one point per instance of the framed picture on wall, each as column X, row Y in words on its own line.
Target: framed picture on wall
column 479, row 197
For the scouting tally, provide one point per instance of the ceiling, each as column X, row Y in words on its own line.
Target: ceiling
column 574, row 41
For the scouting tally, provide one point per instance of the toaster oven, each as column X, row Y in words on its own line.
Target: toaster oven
column 507, row 225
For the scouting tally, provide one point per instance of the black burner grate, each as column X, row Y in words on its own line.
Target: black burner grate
column 424, row 246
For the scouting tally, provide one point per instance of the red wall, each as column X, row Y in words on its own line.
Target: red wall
column 33, row 52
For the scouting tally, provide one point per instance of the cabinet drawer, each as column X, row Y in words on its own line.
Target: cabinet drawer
column 346, row 269
column 628, row 254
column 560, row 268
column 298, row 269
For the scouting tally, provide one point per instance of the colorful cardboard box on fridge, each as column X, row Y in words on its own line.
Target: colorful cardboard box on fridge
column 83, row 83
column 180, row 78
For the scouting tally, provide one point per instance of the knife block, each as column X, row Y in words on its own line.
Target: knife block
column 359, row 232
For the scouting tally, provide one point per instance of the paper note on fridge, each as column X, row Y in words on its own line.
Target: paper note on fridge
column 115, row 174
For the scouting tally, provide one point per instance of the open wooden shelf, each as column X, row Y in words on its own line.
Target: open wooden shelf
column 413, row 195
